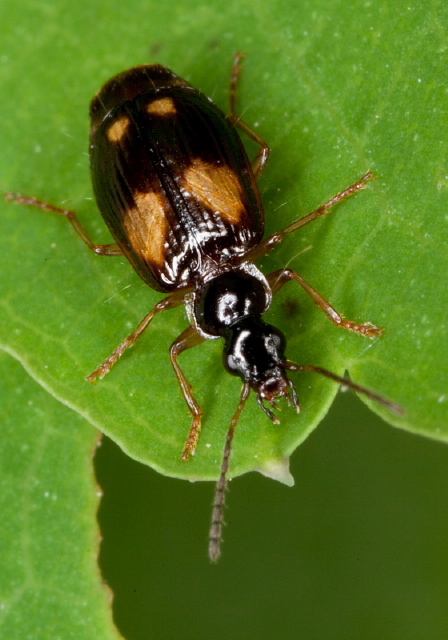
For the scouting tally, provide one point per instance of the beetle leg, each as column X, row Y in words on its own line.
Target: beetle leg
column 269, row 243
column 187, row 339
column 171, row 301
column 262, row 156
column 278, row 278
column 100, row 249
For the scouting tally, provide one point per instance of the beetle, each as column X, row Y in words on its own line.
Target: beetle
column 177, row 190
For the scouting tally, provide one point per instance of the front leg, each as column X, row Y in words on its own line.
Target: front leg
column 188, row 339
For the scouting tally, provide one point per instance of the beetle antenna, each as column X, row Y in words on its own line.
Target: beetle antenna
column 292, row 366
column 214, row 545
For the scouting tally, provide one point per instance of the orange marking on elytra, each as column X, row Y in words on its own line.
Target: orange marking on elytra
column 146, row 222
column 161, row 106
column 215, row 187
column 117, row 130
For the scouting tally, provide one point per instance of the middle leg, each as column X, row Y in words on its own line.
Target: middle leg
column 173, row 300
column 278, row 278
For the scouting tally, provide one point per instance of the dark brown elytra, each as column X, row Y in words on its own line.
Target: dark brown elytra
column 174, row 185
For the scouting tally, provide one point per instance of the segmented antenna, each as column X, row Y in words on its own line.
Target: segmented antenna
column 292, row 366
column 214, row 545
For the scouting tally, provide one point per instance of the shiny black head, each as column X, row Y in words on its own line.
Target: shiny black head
column 255, row 351
column 230, row 306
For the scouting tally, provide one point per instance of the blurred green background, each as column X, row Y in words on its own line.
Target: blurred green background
column 356, row 550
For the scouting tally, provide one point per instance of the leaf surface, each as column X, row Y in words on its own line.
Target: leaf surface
column 335, row 93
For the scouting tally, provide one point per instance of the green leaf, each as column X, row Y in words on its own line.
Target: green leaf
column 50, row 586
column 335, row 91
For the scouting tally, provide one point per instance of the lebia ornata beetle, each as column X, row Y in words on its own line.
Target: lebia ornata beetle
column 174, row 185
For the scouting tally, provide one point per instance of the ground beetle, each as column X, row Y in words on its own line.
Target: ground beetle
column 175, row 186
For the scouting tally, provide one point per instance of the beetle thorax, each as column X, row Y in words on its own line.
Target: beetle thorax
column 230, row 305
column 227, row 297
